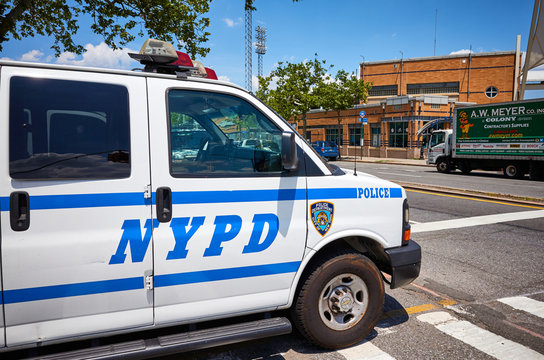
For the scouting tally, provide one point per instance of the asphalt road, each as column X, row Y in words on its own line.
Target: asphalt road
column 487, row 181
column 480, row 294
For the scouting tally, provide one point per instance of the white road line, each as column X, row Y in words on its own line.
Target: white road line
column 366, row 351
column 483, row 340
column 526, row 304
column 389, row 173
column 414, row 222
column 476, row 220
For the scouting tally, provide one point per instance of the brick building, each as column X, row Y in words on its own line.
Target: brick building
column 408, row 94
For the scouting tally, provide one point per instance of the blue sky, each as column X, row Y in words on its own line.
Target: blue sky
column 341, row 32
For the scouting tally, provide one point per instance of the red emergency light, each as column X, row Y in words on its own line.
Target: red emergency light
column 161, row 57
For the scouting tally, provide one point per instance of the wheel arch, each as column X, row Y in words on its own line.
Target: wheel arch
column 366, row 243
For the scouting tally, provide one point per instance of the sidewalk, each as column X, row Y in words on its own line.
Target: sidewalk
column 367, row 159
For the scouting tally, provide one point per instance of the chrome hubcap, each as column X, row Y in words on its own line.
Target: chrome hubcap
column 343, row 302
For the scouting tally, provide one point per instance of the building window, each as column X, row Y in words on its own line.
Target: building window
column 375, row 136
column 398, row 134
column 435, row 106
column 334, row 134
column 383, row 90
column 433, row 88
column 491, row 92
column 355, row 135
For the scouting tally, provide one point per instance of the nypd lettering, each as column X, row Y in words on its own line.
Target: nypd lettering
column 226, row 228
column 322, row 215
column 379, row 193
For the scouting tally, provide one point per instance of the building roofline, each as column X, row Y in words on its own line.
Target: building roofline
column 493, row 53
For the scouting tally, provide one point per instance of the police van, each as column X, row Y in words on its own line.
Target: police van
column 128, row 204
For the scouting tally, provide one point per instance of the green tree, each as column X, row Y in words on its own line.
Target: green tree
column 118, row 21
column 294, row 94
column 345, row 91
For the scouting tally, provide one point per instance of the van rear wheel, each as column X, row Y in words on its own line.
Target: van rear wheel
column 340, row 301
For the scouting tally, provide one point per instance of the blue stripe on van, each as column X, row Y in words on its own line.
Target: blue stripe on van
column 43, row 202
column 395, row 192
column 225, row 274
column 232, row 196
column 68, row 290
column 137, row 283
column 4, row 203
column 73, row 201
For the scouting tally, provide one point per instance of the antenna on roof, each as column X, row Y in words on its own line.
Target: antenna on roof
column 435, row 22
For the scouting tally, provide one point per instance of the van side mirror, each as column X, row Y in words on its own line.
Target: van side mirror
column 289, row 158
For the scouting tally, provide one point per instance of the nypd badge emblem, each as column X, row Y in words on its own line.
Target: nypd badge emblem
column 322, row 213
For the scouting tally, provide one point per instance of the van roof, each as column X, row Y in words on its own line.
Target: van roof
column 113, row 71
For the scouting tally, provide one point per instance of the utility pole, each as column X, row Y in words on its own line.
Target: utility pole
column 249, row 45
column 260, row 47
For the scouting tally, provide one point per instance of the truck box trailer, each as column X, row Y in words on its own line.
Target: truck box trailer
column 504, row 136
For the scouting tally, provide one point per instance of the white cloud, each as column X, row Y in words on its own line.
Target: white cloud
column 99, row 56
column 254, row 83
column 223, row 78
column 461, row 52
column 5, row 58
column 32, row 55
column 232, row 22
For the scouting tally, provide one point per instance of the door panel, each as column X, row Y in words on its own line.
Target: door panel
column 238, row 228
column 78, row 146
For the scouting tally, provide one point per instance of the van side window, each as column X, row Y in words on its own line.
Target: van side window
column 219, row 134
column 62, row 129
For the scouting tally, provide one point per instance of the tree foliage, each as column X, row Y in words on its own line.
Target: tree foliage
column 308, row 85
column 118, row 21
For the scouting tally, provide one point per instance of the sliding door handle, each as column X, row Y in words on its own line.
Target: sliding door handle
column 19, row 210
column 164, row 204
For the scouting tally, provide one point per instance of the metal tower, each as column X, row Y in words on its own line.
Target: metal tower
column 249, row 45
column 260, row 47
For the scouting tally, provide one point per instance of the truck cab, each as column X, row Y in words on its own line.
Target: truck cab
column 439, row 150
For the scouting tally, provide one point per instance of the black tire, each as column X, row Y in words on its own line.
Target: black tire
column 465, row 167
column 443, row 166
column 513, row 171
column 353, row 282
column 536, row 173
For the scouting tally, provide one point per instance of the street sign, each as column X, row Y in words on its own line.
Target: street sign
column 362, row 114
column 365, row 121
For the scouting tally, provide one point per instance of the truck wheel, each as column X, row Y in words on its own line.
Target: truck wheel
column 465, row 167
column 513, row 171
column 536, row 173
column 340, row 301
column 443, row 166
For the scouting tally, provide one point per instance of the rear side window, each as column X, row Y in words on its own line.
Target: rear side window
column 60, row 129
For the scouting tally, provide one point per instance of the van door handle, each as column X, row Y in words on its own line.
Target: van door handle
column 19, row 210
column 164, row 204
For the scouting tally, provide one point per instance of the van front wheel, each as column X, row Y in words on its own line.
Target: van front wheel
column 340, row 301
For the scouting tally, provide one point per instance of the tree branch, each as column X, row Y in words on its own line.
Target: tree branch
column 9, row 21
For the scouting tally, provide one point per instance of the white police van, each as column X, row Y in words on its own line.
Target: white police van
column 128, row 204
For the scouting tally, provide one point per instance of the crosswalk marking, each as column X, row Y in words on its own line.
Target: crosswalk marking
column 476, row 220
column 526, row 304
column 483, row 340
column 366, row 351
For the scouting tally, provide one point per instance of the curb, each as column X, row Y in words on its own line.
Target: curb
column 473, row 193
column 387, row 161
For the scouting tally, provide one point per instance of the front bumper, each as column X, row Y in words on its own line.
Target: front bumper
column 405, row 262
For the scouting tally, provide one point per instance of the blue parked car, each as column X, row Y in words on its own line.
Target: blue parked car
column 327, row 149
